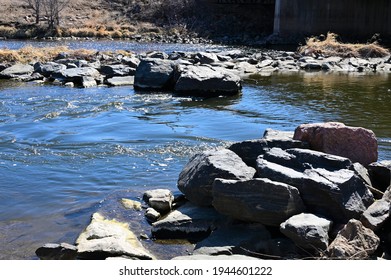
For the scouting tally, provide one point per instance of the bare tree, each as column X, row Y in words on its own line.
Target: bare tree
column 36, row 6
column 53, row 8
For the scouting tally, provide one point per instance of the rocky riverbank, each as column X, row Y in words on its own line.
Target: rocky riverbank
column 287, row 195
column 191, row 73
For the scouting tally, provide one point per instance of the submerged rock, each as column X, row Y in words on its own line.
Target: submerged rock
column 109, row 238
column 196, row 178
column 53, row 251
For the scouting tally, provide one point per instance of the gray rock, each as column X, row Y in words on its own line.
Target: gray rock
column 157, row 54
column 196, row 179
column 153, row 73
column 339, row 194
column 354, row 241
column 109, row 238
column 376, row 215
column 48, row 68
column 206, row 80
column 76, row 75
column 307, row 231
column 121, row 81
column 188, row 222
column 152, row 215
column 249, row 150
column 88, row 82
column 117, row 70
column 61, row 251
column 131, row 61
column 207, row 58
column 28, row 77
column 160, row 199
column 272, row 134
column 257, row 200
column 16, row 70
column 380, row 174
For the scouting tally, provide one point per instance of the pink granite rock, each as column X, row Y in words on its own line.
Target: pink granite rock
column 356, row 143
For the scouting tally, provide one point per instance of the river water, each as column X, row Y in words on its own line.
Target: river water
column 64, row 150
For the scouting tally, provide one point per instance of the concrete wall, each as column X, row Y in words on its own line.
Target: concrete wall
column 349, row 18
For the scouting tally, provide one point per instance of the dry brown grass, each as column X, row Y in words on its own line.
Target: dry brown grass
column 330, row 46
column 31, row 54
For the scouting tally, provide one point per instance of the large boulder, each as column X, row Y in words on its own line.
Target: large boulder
column 307, row 231
column 196, row 178
column 206, row 81
column 329, row 185
column 257, row 200
column 109, row 238
column 17, row 70
column 354, row 241
column 356, row 143
column 154, row 74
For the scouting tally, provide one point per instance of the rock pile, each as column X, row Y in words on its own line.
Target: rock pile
column 192, row 73
column 268, row 198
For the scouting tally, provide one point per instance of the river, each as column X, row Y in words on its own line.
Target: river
column 64, row 150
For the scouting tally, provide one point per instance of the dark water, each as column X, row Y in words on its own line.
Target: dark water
column 64, row 150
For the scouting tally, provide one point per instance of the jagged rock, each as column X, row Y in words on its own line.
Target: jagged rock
column 257, row 200
column 206, row 80
column 109, row 238
column 234, row 239
column 339, row 194
column 48, row 68
column 378, row 213
column 16, row 70
column 356, row 143
column 154, row 73
column 380, row 174
column 131, row 61
column 307, row 231
column 196, row 178
column 354, row 241
column 188, row 222
column 117, row 70
column 160, row 199
column 152, row 215
column 61, row 251
column 249, row 150
column 121, row 81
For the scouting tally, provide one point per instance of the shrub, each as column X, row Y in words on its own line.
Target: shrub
column 330, row 46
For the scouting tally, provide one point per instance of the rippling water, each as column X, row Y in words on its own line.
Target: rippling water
column 63, row 150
